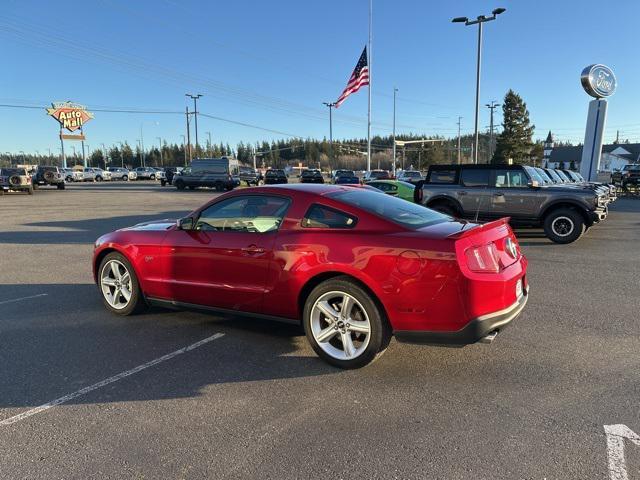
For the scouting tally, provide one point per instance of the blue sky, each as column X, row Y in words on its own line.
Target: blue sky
column 272, row 64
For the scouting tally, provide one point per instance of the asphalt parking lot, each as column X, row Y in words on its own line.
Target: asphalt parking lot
column 255, row 402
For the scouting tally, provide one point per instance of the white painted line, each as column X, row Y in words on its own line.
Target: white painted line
column 616, row 435
column 107, row 381
column 24, row 298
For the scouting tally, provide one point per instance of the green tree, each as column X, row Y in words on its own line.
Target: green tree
column 515, row 140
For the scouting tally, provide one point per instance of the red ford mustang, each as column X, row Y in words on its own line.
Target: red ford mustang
column 354, row 266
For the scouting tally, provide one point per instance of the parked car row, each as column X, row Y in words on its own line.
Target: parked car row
column 628, row 176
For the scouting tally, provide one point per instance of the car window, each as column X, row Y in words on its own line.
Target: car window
column 320, row 216
column 246, row 213
column 390, row 208
column 442, row 176
column 474, row 177
column 510, row 179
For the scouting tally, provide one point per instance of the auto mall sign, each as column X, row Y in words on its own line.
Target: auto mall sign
column 598, row 81
column 70, row 115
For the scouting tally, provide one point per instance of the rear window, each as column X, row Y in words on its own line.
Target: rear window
column 390, row 208
column 274, row 173
column 320, row 216
column 442, row 176
column 474, row 177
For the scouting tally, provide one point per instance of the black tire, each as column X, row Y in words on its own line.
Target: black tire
column 35, row 186
column 180, row 184
column 125, row 178
column 98, row 179
column 445, row 208
column 219, row 187
column 163, row 182
column 564, row 225
column 152, row 177
column 191, row 187
column 61, row 186
column 1, row 191
column 137, row 303
column 30, row 190
column 380, row 330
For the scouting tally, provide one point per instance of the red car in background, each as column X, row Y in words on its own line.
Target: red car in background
column 352, row 265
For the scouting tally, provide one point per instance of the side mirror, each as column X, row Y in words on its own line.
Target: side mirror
column 185, row 223
column 534, row 183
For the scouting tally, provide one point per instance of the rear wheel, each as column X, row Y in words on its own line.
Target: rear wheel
column 61, row 186
column 445, row 208
column 564, row 225
column 30, row 190
column 119, row 285
column 344, row 324
column 163, row 182
column 180, row 184
column 152, row 177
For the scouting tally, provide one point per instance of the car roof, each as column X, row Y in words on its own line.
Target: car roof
column 476, row 167
column 313, row 188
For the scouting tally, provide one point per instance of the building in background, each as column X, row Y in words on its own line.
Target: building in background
column 614, row 156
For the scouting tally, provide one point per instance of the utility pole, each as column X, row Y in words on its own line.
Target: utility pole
column 491, row 106
column 161, row 158
column 104, row 149
column 195, row 113
column 393, row 164
column 184, row 149
column 142, row 147
column 478, row 21
column 210, row 149
column 330, row 105
column 188, row 138
column 459, row 124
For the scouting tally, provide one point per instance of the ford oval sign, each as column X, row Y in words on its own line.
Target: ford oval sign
column 598, row 81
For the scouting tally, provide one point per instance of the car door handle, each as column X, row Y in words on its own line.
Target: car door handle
column 252, row 249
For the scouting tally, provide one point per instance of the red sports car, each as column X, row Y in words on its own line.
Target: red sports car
column 352, row 265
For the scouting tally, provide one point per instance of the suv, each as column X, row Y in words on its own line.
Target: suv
column 49, row 175
column 376, row 175
column 311, row 176
column 249, row 176
column 629, row 175
column 515, row 191
column 206, row 172
column 121, row 173
column 16, row 179
column 169, row 172
column 146, row 173
column 275, row 176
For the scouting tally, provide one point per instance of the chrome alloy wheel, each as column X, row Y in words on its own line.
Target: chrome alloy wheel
column 340, row 325
column 562, row 226
column 115, row 282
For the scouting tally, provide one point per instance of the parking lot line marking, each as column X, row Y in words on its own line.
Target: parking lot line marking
column 616, row 435
column 24, row 298
column 107, row 381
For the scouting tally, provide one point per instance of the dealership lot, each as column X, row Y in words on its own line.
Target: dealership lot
column 255, row 401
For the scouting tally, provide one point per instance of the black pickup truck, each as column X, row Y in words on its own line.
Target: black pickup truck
column 493, row 191
column 628, row 176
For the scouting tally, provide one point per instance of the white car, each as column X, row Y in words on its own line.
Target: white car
column 120, row 173
column 102, row 174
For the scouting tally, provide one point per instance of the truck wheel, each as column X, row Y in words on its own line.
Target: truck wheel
column 219, row 187
column 60, row 186
column 445, row 208
column 35, row 186
column 30, row 190
column 180, row 184
column 163, row 182
column 564, row 225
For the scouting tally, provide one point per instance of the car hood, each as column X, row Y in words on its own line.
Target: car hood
column 154, row 225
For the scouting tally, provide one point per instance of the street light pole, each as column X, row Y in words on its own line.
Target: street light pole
column 479, row 21
column 142, row 146
column 184, row 148
column 459, row 124
column 330, row 105
column 161, row 159
column 210, row 149
column 195, row 113
column 393, row 164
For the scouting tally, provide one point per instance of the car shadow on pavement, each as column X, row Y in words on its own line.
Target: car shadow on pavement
column 56, row 344
column 81, row 231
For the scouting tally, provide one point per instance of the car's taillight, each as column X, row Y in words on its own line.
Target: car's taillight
column 483, row 258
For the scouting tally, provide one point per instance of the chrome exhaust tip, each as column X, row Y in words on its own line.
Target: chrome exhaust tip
column 489, row 338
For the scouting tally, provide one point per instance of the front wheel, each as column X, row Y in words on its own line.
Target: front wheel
column 163, row 182
column 564, row 225
column 61, row 186
column 152, row 177
column 180, row 185
column 344, row 324
column 119, row 285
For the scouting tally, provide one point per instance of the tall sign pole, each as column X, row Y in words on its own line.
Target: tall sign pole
column 370, row 84
column 72, row 117
column 599, row 82
column 393, row 165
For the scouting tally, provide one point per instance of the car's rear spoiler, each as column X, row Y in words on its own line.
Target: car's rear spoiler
column 485, row 226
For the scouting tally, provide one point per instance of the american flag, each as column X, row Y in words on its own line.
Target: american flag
column 359, row 78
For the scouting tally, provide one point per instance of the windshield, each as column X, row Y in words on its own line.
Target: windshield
column 275, row 173
column 390, row 208
column 562, row 176
column 533, row 174
column 542, row 174
column 13, row 171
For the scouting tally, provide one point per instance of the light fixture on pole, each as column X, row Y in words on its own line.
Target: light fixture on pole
column 479, row 21
column 330, row 105
column 491, row 106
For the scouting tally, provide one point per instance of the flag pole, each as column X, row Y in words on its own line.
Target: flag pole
column 370, row 79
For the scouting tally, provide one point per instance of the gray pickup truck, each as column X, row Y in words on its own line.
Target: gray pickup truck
column 493, row 191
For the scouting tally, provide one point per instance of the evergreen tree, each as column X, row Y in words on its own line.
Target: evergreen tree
column 515, row 140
